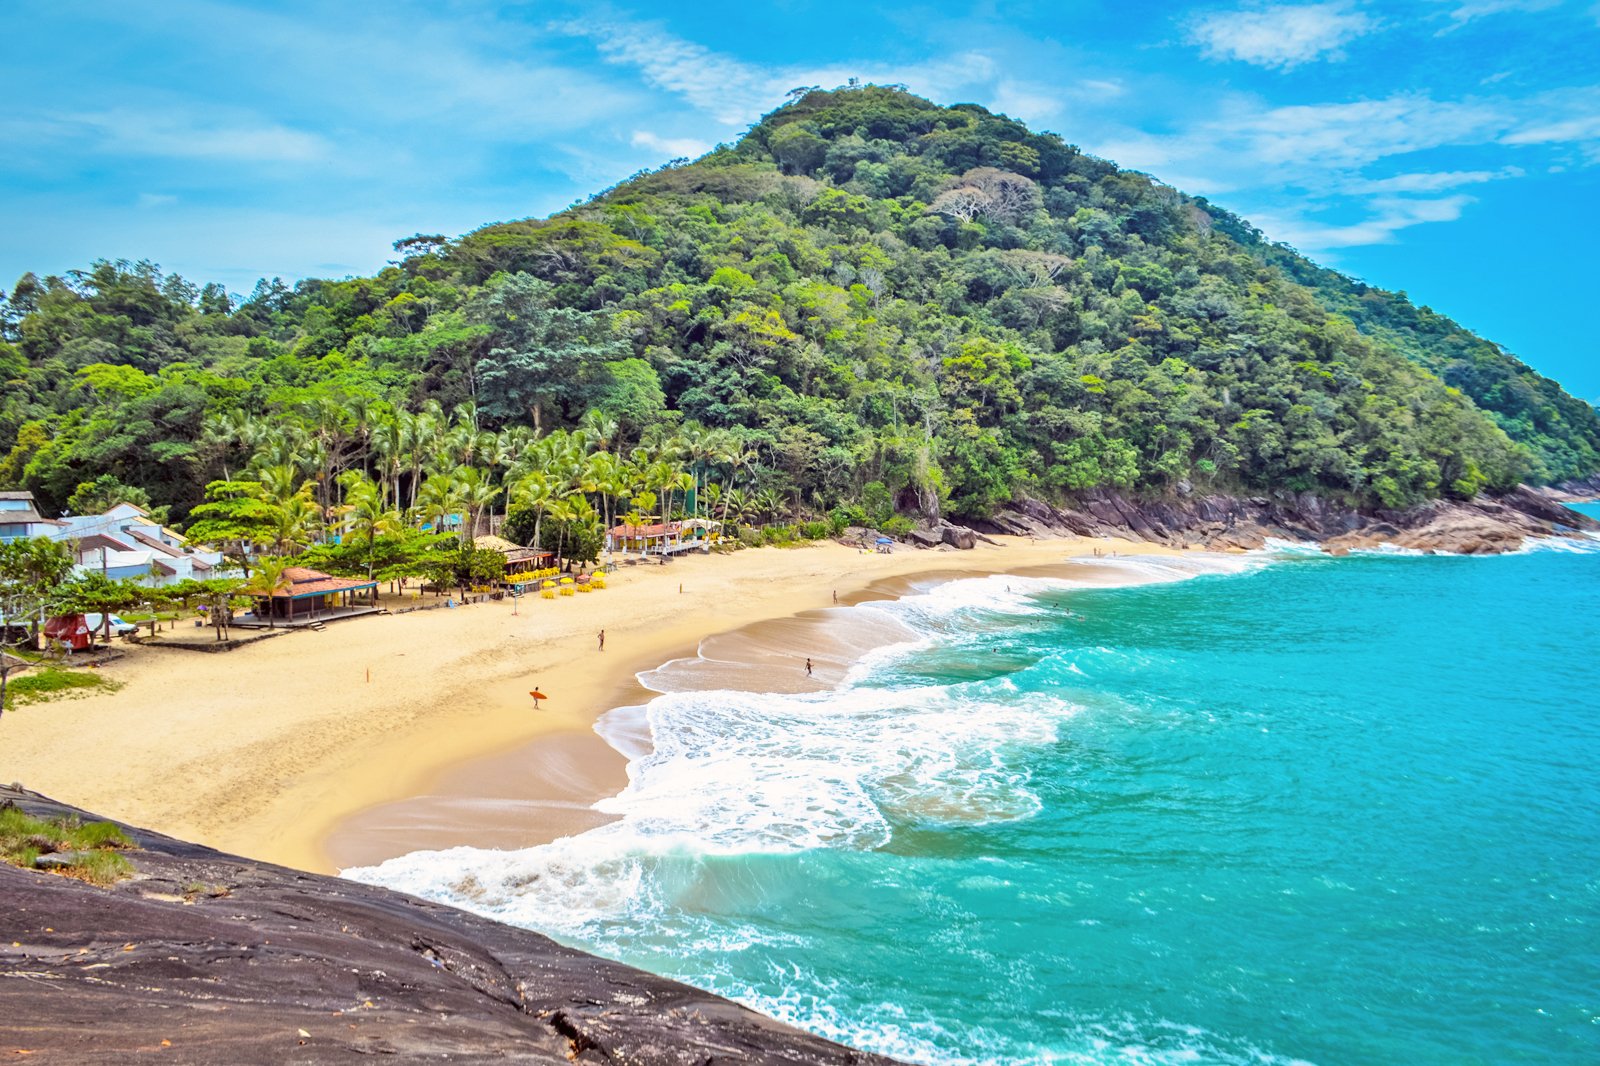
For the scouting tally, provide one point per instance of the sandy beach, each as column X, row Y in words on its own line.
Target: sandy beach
column 386, row 734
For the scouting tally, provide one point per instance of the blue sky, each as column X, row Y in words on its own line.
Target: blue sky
column 1447, row 147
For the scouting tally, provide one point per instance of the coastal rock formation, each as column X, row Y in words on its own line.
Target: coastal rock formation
column 1577, row 490
column 1472, row 527
column 204, row 957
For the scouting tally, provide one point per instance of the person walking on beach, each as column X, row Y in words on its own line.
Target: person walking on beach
column 602, row 640
column 836, row 597
column 808, row 667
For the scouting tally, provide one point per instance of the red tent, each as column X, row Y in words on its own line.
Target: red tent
column 71, row 629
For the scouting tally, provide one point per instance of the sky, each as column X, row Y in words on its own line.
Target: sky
column 1450, row 148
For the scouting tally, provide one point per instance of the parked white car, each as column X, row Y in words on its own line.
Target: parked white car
column 119, row 627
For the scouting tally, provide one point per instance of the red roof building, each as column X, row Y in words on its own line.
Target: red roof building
column 310, row 592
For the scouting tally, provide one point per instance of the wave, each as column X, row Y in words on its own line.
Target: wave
column 1582, row 542
column 808, row 1001
column 722, row 773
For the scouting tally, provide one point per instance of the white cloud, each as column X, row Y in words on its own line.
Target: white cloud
column 731, row 91
column 1391, row 215
column 1101, row 87
column 671, row 147
column 1288, row 165
column 179, row 134
column 1436, row 181
column 1302, row 141
column 1576, row 128
column 736, row 93
column 1281, row 35
column 148, row 200
column 1465, row 11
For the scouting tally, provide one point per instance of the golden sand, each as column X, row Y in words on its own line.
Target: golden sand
column 384, row 734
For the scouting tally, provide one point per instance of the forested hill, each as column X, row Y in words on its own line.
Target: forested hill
column 875, row 302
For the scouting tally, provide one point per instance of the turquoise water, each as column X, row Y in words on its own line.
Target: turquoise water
column 1323, row 810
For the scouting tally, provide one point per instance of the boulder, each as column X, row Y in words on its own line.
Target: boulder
column 958, row 536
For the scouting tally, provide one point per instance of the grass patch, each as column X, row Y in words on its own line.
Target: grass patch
column 95, row 845
column 51, row 682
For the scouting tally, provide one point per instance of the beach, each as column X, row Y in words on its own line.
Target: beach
column 387, row 734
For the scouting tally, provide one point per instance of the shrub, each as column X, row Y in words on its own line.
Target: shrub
column 897, row 525
column 43, row 684
column 847, row 515
column 23, row 838
column 817, row 530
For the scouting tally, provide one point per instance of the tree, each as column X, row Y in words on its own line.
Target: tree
column 464, row 566
column 218, row 595
column 573, row 532
column 32, row 572
column 541, row 356
column 439, row 500
column 234, row 517
column 104, row 493
column 93, row 593
column 267, row 581
column 369, row 517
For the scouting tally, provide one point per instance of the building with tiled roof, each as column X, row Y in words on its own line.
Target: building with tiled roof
column 309, row 594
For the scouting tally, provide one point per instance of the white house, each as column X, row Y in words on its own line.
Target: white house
column 20, row 518
column 125, row 542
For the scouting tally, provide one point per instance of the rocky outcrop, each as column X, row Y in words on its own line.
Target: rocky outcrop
column 1483, row 525
column 204, row 957
column 946, row 534
column 1580, row 490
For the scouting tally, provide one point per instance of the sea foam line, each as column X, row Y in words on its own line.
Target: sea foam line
column 718, row 772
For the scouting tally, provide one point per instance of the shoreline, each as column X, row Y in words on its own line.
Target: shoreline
column 272, row 750
column 485, row 803
column 500, row 801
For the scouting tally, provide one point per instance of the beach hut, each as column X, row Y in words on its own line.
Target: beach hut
column 518, row 558
column 311, row 594
column 664, row 538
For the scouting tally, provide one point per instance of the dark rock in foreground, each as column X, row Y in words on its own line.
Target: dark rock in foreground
column 210, row 958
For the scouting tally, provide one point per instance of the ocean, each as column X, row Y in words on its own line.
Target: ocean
column 1280, row 808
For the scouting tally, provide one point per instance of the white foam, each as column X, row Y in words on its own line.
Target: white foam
column 807, row 1001
column 1583, row 542
column 719, row 773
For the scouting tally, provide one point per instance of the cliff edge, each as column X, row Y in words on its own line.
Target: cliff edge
column 203, row 957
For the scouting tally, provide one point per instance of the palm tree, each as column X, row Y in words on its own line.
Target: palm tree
column 437, row 500
column 477, row 494
column 536, row 491
column 736, row 455
column 268, row 580
column 369, row 514
column 604, row 472
column 421, row 442
column 559, row 511
column 389, row 448
column 600, row 429
column 294, row 522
